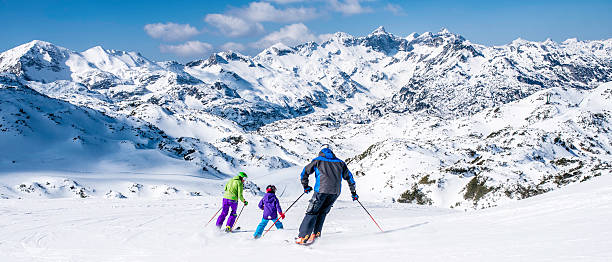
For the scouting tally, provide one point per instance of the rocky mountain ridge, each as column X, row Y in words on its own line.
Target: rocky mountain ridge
column 273, row 110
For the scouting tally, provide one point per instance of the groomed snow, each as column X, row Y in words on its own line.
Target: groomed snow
column 569, row 224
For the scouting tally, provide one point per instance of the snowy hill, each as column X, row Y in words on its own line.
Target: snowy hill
column 42, row 133
column 514, row 151
column 429, row 119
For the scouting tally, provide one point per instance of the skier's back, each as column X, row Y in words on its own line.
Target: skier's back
column 270, row 206
column 329, row 172
column 233, row 193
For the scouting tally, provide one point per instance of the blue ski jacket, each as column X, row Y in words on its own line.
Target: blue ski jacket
column 329, row 172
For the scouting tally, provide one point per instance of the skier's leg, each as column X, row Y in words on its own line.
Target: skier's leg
column 260, row 228
column 307, row 225
column 232, row 217
column 224, row 210
column 326, row 207
column 279, row 225
column 311, row 216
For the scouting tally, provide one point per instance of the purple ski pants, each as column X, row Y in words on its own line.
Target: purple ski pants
column 227, row 204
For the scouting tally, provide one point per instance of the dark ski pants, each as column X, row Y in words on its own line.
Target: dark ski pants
column 317, row 210
column 227, row 204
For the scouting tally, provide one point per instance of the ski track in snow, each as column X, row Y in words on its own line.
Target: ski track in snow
column 570, row 224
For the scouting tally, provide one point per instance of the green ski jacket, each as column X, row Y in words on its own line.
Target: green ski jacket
column 233, row 189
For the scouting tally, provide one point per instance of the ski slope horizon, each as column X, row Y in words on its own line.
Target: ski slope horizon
column 569, row 224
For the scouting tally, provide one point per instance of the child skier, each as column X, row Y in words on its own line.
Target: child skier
column 270, row 205
column 233, row 192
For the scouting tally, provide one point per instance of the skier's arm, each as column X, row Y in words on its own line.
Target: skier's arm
column 348, row 176
column 278, row 207
column 309, row 169
column 261, row 204
column 240, row 187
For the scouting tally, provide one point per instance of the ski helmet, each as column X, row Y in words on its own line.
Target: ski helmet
column 242, row 175
column 270, row 189
column 324, row 146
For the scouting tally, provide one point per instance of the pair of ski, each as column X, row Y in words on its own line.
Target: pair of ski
column 304, row 244
column 311, row 240
column 236, row 230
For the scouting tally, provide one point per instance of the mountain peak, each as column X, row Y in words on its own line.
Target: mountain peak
column 95, row 50
column 98, row 48
column 572, row 40
column 38, row 43
column 341, row 36
column 280, row 46
column 549, row 41
column 444, row 31
column 412, row 36
column 35, row 48
column 379, row 31
column 519, row 41
column 278, row 49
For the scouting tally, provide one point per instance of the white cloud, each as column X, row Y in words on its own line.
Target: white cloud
column 171, row 31
column 349, row 7
column 395, row 9
column 191, row 48
column 265, row 12
column 231, row 46
column 289, row 35
column 233, row 26
column 245, row 21
column 325, row 37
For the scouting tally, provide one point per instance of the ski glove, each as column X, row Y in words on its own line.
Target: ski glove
column 246, row 203
column 282, row 215
column 355, row 196
column 307, row 189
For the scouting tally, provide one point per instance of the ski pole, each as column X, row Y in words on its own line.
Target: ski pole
column 286, row 210
column 211, row 219
column 370, row 215
column 236, row 222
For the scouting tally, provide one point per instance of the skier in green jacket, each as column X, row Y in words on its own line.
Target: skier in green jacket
column 233, row 192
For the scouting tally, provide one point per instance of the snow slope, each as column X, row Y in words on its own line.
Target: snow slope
column 41, row 133
column 570, row 224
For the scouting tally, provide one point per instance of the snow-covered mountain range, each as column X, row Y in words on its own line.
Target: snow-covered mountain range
column 430, row 119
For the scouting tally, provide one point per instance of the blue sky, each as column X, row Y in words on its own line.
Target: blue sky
column 187, row 30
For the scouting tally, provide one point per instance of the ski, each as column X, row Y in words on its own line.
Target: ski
column 235, row 230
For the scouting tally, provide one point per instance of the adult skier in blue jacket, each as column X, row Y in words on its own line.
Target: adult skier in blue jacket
column 329, row 172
